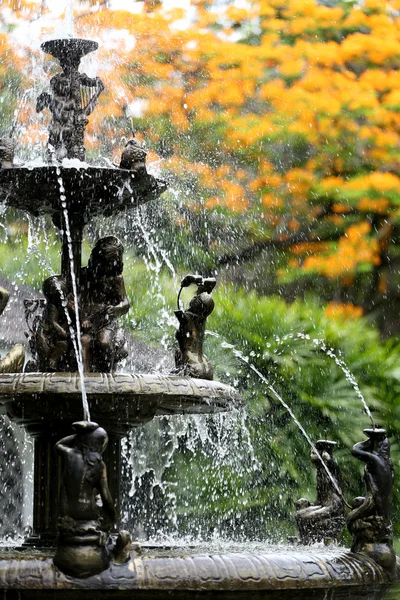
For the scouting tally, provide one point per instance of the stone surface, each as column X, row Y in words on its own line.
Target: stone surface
column 90, row 191
column 225, row 572
column 119, row 401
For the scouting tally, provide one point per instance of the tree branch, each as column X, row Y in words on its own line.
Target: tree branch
column 255, row 249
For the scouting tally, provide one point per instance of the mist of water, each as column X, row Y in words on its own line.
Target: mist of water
column 321, row 344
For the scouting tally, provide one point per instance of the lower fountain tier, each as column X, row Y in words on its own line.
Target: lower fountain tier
column 229, row 573
column 89, row 191
column 117, row 402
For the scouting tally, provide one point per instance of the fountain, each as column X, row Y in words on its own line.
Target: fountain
column 71, row 381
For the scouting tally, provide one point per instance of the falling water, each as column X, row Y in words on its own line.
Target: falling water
column 79, row 354
column 156, row 256
column 150, row 451
column 348, row 374
column 246, row 360
column 320, row 343
column 69, row 19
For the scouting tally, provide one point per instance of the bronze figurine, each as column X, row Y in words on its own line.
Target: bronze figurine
column 102, row 300
column 189, row 357
column 53, row 333
column 133, row 157
column 323, row 520
column 370, row 521
column 74, row 96
column 86, row 513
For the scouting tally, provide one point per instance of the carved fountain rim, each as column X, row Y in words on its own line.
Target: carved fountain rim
column 118, row 400
column 226, row 572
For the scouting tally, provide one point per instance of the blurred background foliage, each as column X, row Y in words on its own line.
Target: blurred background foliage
column 277, row 126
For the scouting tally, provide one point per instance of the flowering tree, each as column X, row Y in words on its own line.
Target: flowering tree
column 281, row 119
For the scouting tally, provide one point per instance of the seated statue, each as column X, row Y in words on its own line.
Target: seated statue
column 189, row 357
column 103, row 300
column 13, row 362
column 52, row 336
column 370, row 521
column 86, row 513
column 323, row 520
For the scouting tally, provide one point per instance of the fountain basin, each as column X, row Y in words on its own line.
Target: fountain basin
column 117, row 401
column 228, row 573
column 90, row 191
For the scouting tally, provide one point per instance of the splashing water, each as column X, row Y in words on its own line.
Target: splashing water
column 150, row 451
column 79, row 353
column 246, row 360
column 154, row 259
column 320, row 343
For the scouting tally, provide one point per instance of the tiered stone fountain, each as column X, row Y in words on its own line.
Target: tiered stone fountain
column 80, row 314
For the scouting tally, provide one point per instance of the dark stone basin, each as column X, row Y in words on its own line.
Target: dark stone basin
column 219, row 573
column 90, row 191
column 117, row 401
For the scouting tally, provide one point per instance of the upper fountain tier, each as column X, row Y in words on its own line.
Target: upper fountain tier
column 89, row 191
column 69, row 50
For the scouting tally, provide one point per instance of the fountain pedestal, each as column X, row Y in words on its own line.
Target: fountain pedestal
column 47, row 405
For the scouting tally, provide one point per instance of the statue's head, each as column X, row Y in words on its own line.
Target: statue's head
column 201, row 306
column 54, row 290
column 325, row 450
column 97, row 440
column 91, row 436
column 106, row 257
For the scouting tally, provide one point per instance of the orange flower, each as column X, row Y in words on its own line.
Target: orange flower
column 343, row 312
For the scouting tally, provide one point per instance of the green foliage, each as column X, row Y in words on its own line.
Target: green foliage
column 284, row 343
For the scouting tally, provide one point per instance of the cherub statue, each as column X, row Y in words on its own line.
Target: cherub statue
column 69, row 112
column 52, row 337
column 13, row 362
column 189, row 358
column 86, row 513
column 103, row 300
column 323, row 520
column 134, row 157
column 370, row 521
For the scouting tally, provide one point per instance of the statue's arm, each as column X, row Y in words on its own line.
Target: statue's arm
column 65, row 446
column 117, row 310
column 53, row 315
column 362, row 452
column 107, row 500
